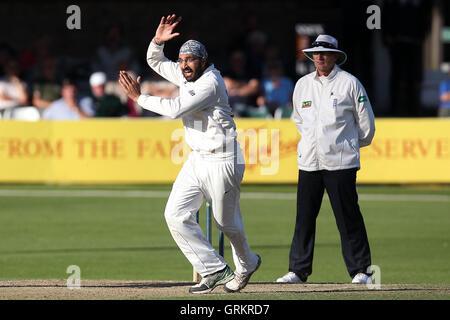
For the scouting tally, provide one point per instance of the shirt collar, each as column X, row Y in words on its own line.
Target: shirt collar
column 332, row 74
column 210, row 68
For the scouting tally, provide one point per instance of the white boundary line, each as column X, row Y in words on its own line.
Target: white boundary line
column 244, row 195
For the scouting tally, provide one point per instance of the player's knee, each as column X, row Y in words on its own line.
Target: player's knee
column 170, row 217
column 176, row 219
column 228, row 229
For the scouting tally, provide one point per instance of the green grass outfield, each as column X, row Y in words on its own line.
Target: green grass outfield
column 119, row 232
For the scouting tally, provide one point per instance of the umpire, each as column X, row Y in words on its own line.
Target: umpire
column 334, row 118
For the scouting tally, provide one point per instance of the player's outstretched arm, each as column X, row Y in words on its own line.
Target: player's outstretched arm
column 129, row 86
column 164, row 32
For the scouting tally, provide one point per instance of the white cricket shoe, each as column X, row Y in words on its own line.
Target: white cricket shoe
column 362, row 278
column 290, row 277
column 240, row 281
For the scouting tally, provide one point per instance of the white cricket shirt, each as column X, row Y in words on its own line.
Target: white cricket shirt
column 334, row 118
column 202, row 105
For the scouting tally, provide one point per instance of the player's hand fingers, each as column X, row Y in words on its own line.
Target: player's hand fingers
column 174, row 35
column 173, row 20
column 125, row 77
column 176, row 22
column 124, row 87
column 122, row 81
column 129, row 79
column 125, row 80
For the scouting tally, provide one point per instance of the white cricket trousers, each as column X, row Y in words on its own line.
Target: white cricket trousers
column 217, row 181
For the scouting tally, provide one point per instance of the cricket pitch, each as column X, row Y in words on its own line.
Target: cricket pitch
column 141, row 290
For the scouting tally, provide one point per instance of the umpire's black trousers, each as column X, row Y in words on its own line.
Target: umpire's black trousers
column 341, row 189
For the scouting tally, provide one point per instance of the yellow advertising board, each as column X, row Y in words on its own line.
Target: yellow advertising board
column 90, row 151
column 407, row 151
column 153, row 151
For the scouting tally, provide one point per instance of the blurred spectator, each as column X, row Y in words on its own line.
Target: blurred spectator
column 242, row 86
column 46, row 87
column 6, row 53
column 252, row 40
column 272, row 55
column 114, row 55
column 256, row 43
column 105, row 105
column 34, row 55
column 276, row 88
column 113, row 87
column 13, row 91
column 444, row 97
column 70, row 106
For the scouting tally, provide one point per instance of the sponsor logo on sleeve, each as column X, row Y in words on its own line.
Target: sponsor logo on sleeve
column 362, row 99
column 306, row 104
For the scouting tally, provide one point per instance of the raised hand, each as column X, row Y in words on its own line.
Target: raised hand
column 129, row 86
column 165, row 29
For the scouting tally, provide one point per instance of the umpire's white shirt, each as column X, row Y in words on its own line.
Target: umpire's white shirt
column 202, row 105
column 334, row 118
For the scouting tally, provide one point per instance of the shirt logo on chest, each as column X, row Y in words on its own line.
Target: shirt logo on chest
column 306, row 104
column 192, row 92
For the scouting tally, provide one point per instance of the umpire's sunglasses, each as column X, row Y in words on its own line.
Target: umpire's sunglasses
column 323, row 44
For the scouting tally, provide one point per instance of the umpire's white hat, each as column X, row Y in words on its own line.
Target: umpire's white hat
column 326, row 43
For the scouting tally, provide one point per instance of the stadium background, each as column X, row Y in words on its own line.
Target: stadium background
column 376, row 57
column 399, row 65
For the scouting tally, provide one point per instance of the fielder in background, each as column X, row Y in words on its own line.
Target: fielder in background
column 334, row 118
column 214, row 169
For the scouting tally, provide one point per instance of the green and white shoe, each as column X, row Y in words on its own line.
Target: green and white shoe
column 211, row 281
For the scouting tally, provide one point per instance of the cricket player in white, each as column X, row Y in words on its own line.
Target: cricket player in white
column 214, row 169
